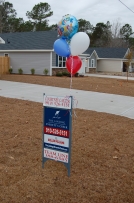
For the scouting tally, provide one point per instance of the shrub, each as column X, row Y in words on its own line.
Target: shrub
column 20, row 71
column 64, row 73
column 10, row 70
column 81, row 75
column 45, row 71
column 68, row 75
column 32, row 71
column 59, row 74
column 76, row 74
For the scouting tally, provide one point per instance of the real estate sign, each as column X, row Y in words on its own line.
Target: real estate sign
column 57, row 129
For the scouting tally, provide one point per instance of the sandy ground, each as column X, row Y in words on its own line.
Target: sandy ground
column 102, row 162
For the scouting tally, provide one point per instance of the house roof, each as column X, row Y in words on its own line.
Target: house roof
column 105, row 52
column 44, row 40
column 28, row 40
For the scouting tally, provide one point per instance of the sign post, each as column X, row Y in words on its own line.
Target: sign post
column 57, row 129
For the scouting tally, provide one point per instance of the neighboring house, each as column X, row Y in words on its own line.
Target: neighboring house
column 29, row 50
column 107, row 59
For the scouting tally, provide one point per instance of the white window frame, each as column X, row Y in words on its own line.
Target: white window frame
column 92, row 63
column 63, row 59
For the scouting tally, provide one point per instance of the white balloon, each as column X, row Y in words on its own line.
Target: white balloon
column 79, row 43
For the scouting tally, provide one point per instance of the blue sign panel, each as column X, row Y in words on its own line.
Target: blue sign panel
column 56, row 147
column 57, row 118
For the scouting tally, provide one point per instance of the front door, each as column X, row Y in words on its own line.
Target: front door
column 82, row 69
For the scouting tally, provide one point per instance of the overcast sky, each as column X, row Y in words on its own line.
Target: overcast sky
column 94, row 11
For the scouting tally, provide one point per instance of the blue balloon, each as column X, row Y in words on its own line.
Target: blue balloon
column 62, row 48
column 68, row 26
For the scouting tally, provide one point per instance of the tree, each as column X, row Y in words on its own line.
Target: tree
column 28, row 26
column 39, row 15
column 85, row 26
column 115, row 28
column 131, row 41
column 129, row 57
column 1, row 17
column 42, row 26
column 126, row 31
column 121, row 35
column 101, row 34
column 53, row 27
column 15, row 24
column 116, row 39
column 127, row 34
column 7, row 13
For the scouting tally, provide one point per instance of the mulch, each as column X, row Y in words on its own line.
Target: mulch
column 102, row 162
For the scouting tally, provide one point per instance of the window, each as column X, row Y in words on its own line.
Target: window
column 6, row 55
column 92, row 62
column 2, row 41
column 61, row 61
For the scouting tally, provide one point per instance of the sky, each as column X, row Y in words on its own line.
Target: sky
column 94, row 11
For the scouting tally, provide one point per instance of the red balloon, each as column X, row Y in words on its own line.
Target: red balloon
column 73, row 64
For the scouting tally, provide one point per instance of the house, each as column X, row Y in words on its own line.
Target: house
column 103, row 59
column 29, row 50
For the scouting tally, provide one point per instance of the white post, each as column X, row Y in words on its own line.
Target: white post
column 121, row 66
column 50, row 64
column 130, row 67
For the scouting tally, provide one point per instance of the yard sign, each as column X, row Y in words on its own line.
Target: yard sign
column 57, row 129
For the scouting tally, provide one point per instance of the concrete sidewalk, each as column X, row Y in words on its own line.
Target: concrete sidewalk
column 109, row 76
column 100, row 102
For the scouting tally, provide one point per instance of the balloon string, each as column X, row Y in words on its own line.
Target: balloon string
column 71, row 73
column 75, row 102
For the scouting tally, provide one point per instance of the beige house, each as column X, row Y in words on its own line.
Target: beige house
column 107, row 60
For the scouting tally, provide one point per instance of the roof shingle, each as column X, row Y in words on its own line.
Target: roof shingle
column 45, row 39
column 105, row 52
column 28, row 40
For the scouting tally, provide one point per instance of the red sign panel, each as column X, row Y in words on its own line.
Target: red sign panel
column 56, row 131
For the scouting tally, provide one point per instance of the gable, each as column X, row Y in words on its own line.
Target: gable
column 94, row 55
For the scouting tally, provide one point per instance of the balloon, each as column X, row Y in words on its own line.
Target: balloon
column 68, row 26
column 73, row 64
column 62, row 48
column 79, row 43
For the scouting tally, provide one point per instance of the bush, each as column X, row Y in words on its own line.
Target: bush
column 68, row 75
column 20, row 71
column 45, row 71
column 59, row 74
column 32, row 71
column 76, row 74
column 64, row 73
column 81, row 75
column 10, row 70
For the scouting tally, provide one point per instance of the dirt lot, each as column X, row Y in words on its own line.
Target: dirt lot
column 102, row 162
column 106, row 85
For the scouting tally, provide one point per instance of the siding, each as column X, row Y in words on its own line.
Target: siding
column 93, row 57
column 39, row 61
column 109, row 65
column 53, row 59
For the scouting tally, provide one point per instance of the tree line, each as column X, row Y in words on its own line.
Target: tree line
column 101, row 35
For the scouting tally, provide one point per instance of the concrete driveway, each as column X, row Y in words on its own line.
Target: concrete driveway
column 100, row 102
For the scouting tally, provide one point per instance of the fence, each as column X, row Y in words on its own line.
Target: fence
column 4, row 65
